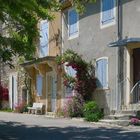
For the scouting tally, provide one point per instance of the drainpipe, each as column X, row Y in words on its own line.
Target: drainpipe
column 120, row 58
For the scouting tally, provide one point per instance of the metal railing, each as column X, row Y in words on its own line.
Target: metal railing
column 135, row 93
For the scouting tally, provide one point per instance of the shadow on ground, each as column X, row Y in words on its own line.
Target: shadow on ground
column 18, row 131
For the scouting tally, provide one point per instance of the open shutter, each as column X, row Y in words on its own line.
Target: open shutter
column 104, row 80
column 44, row 39
column 99, row 73
column 107, row 11
column 39, row 82
column 73, row 17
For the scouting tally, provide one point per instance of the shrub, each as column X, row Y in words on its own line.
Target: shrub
column 20, row 107
column 74, row 106
column 7, row 110
column 135, row 121
column 92, row 112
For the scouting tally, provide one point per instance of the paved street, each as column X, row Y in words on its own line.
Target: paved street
column 32, row 127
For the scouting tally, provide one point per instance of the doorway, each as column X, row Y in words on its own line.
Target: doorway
column 51, row 91
column 136, row 65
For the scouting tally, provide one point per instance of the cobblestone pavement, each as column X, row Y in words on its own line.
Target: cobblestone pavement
column 34, row 127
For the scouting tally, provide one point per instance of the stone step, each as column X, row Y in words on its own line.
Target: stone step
column 131, row 107
column 119, row 117
column 116, row 122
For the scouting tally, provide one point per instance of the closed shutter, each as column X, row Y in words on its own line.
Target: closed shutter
column 73, row 27
column 54, row 86
column 99, row 73
column 107, row 11
column 102, row 67
column 39, row 82
column 44, row 39
column 104, row 74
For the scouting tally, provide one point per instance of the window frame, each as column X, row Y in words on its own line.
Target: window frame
column 40, row 55
column 77, row 34
column 113, row 22
column 107, row 73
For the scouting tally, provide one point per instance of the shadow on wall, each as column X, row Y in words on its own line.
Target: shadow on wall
column 18, row 131
column 102, row 98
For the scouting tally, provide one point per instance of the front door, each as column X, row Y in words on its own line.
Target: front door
column 51, row 91
column 136, row 65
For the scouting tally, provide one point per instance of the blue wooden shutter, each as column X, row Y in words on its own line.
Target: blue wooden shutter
column 107, row 11
column 73, row 17
column 70, row 71
column 104, row 80
column 39, row 85
column 44, row 39
column 99, row 73
column 54, row 87
column 102, row 73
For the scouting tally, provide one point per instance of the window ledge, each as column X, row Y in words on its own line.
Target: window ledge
column 73, row 36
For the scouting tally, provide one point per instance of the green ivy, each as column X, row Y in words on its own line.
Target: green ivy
column 84, row 82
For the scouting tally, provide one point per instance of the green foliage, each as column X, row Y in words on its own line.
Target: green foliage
column 80, row 4
column 21, row 107
column 84, row 82
column 92, row 112
column 74, row 106
column 19, row 19
column 6, row 110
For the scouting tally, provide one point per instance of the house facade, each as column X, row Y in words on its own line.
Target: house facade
column 46, row 85
column 12, row 79
column 107, row 34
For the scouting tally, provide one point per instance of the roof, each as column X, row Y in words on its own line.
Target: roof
column 124, row 42
column 38, row 60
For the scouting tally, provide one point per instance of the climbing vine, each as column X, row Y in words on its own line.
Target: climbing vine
column 84, row 82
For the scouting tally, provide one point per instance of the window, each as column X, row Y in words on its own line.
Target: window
column 39, row 82
column 72, row 23
column 71, row 72
column 102, row 73
column 44, row 39
column 108, row 12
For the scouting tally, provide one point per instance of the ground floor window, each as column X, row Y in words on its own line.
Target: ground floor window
column 102, row 72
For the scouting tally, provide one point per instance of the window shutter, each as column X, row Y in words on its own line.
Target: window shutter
column 104, row 80
column 99, row 73
column 73, row 22
column 54, row 87
column 44, row 39
column 107, row 11
column 70, row 71
column 102, row 73
column 39, row 85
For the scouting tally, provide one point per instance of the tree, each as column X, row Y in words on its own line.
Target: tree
column 20, row 18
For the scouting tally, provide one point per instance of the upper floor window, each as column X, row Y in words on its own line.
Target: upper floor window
column 102, row 73
column 107, row 12
column 44, row 38
column 39, row 85
column 73, row 24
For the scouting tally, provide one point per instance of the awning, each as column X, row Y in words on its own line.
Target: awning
column 124, row 42
column 43, row 60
